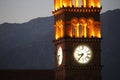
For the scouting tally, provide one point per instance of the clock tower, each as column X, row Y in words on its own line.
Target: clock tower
column 77, row 39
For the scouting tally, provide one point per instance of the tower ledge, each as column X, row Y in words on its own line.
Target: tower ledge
column 77, row 9
column 77, row 40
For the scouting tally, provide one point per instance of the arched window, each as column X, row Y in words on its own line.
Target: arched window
column 61, row 28
column 80, row 30
column 59, row 32
column 76, row 3
column 56, row 31
column 83, row 24
column 90, row 27
column 74, row 24
column 73, row 3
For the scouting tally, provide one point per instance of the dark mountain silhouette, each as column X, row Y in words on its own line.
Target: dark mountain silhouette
column 29, row 45
column 111, row 44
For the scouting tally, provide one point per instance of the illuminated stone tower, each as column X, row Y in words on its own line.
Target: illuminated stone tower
column 77, row 39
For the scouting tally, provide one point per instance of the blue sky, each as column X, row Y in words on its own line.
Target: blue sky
column 19, row 11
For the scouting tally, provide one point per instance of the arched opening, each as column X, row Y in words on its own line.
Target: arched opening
column 97, row 29
column 61, row 3
column 97, row 3
column 76, row 3
column 83, row 25
column 67, row 3
column 73, row 3
column 84, row 3
column 61, row 28
column 90, row 28
column 59, row 32
column 75, row 25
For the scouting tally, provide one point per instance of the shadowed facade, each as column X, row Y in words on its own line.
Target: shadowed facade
column 77, row 39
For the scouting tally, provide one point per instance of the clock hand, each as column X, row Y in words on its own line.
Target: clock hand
column 58, row 57
column 80, row 56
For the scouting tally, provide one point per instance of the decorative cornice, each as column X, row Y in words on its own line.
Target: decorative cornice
column 77, row 9
column 91, row 67
column 77, row 40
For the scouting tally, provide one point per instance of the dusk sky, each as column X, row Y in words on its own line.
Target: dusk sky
column 19, row 11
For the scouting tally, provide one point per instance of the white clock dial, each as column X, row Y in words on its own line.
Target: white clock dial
column 82, row 54
column 59, row 55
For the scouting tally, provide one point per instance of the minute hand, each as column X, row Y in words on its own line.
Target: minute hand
column 80, row 56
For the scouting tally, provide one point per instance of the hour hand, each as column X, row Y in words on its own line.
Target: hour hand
column 80, row 56
column 58, row 57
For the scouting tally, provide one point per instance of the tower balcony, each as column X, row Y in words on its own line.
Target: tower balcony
column 77, row 9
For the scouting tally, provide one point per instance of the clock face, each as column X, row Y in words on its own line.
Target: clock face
column 82, row 54
column 59, row 56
